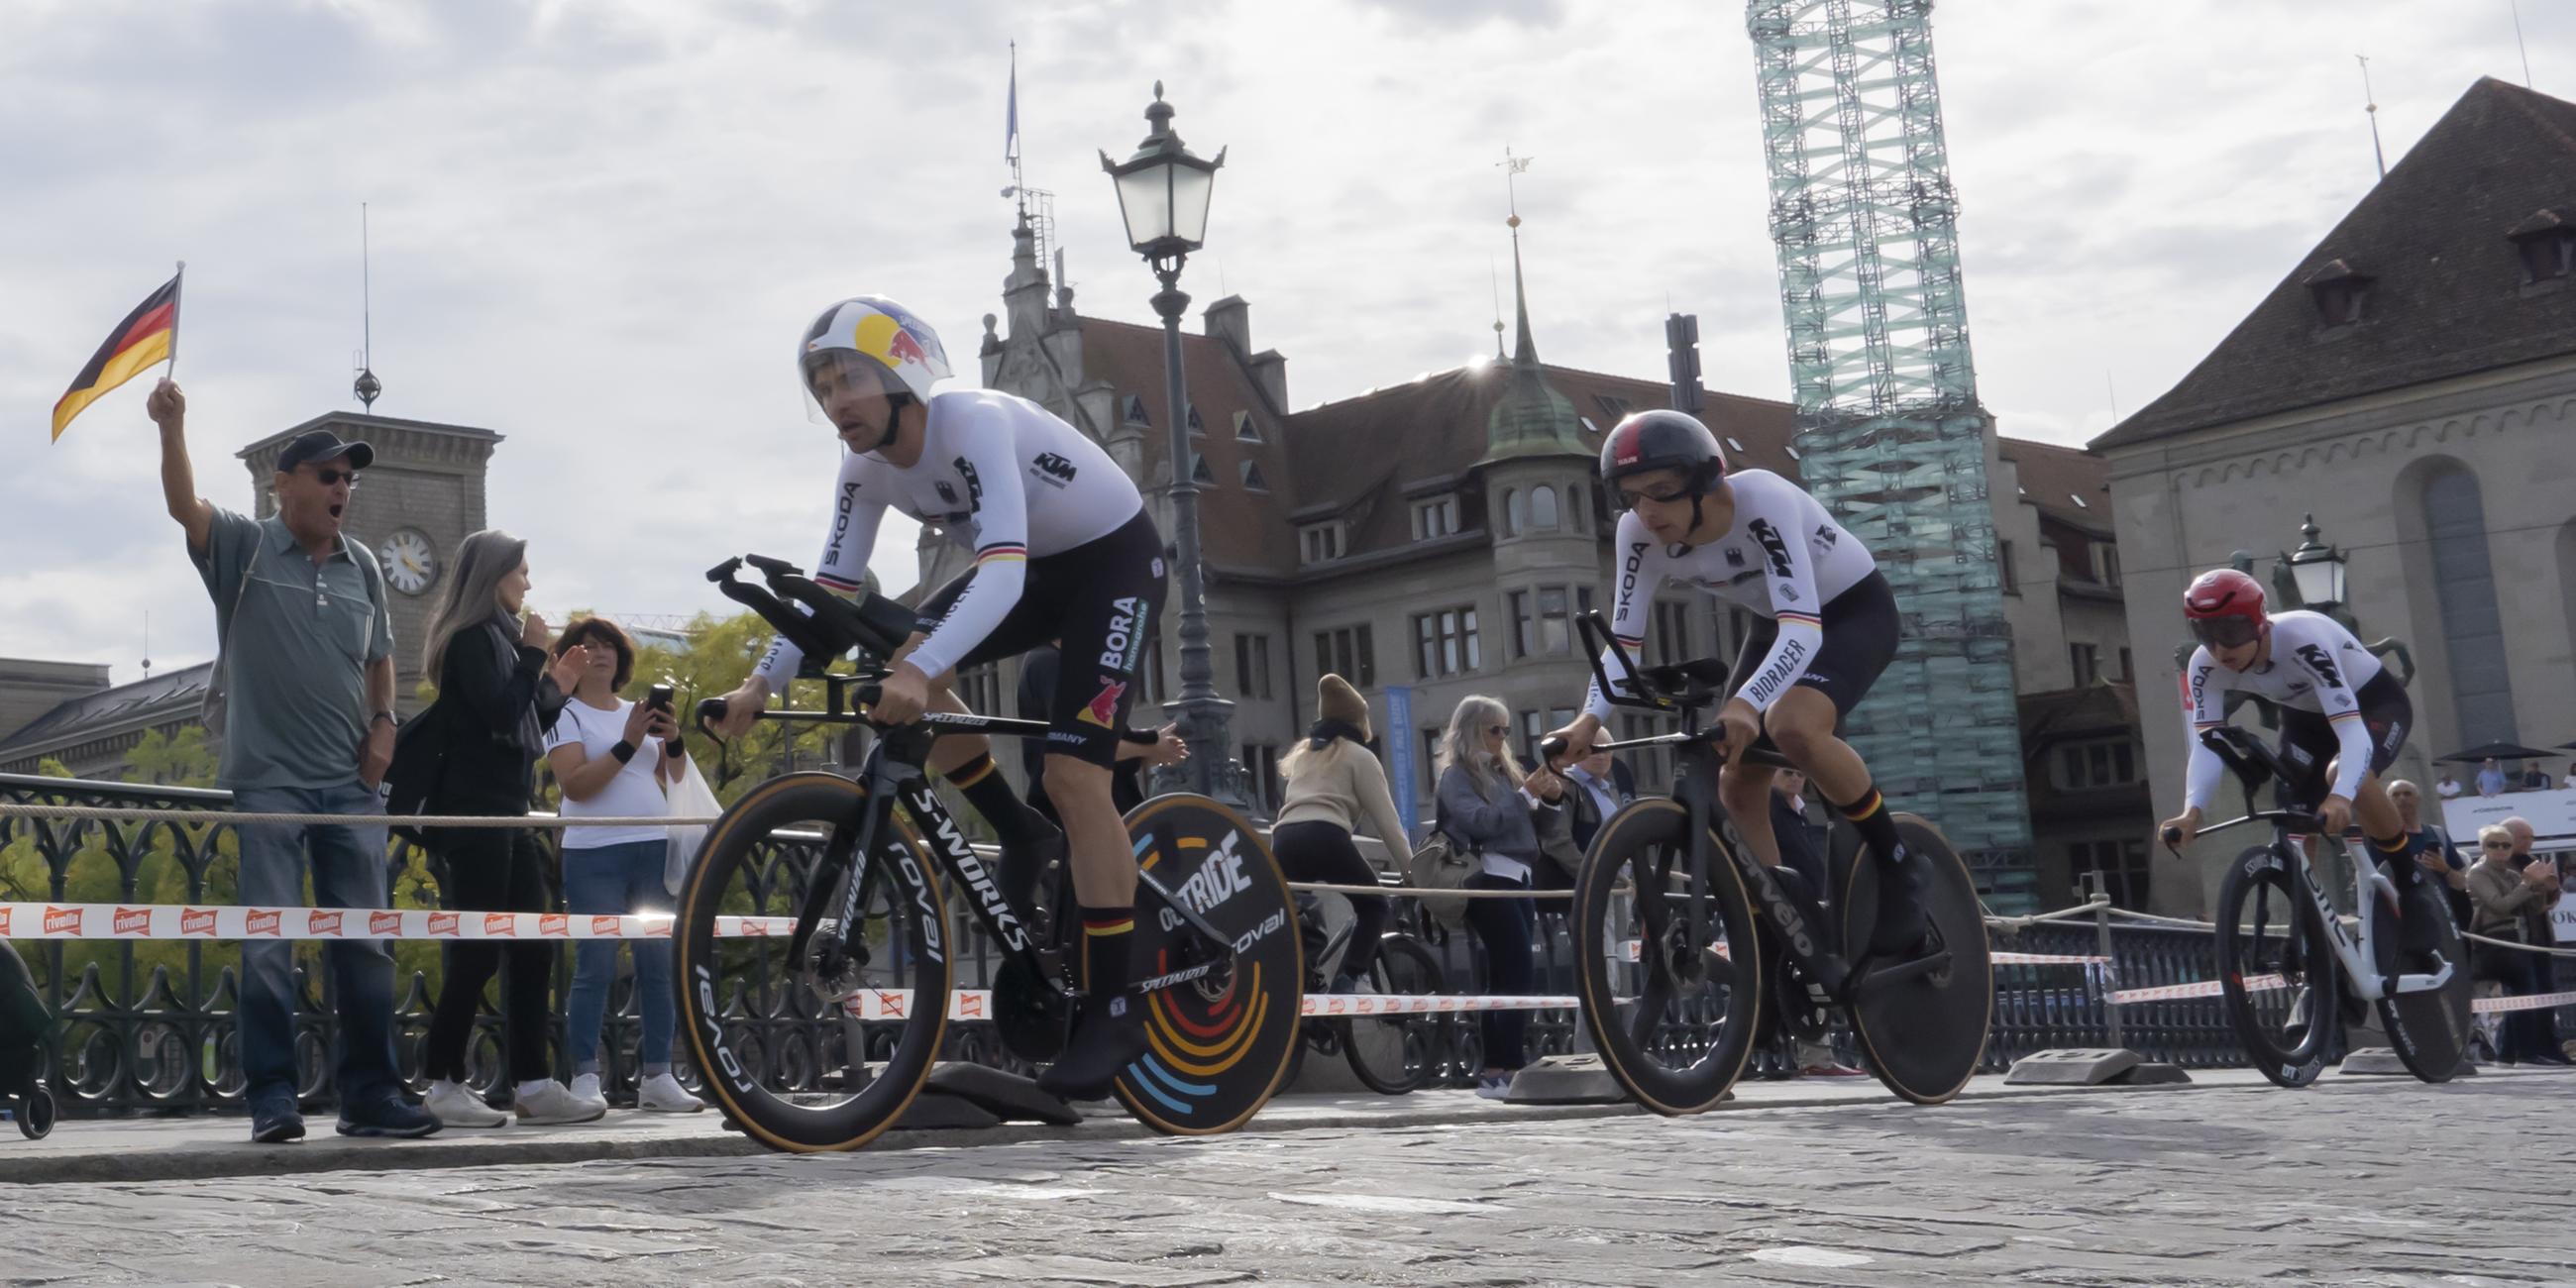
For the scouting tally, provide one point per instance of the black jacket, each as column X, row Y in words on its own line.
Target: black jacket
column 1583, row 817
column 487, row 704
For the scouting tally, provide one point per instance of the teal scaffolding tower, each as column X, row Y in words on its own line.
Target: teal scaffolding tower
column 1890, row 433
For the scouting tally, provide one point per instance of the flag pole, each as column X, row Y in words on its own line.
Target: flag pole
column 178, row 292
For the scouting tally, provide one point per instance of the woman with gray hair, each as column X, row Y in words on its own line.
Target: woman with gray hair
column 497, row 695
column 1486, row 803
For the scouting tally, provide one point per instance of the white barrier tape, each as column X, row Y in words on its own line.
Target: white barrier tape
column 2205, row 988
column 232, row 922
column 120, row 814
column 977, row 1004
column 2536, row 1002
column 2045, row 959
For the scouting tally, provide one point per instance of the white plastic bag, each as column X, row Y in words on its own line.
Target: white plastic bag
column 688, row 798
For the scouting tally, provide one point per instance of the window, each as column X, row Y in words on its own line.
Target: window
column 1348, row 653
column 1555, row 631
column 1252, row 666
column 2102, row 762
column 1136, row 411
column 1197, row 426
column 1533, row 728
column 1519, row 602
column 2087, row 661
column 1437, row 517
column 2004, row 562
column 980, row 688
column 1671, row 633
column 1199, row 468
column 2464, row 583
column 2547, row 244
column 2341, row 293
column 1445, row 643
column 1319, row 542
column 2121, row 863
column 1515, row 512
column 1727, row 627
column 1543, row 509
column 2128, row 669
column 1244, row 428
column 1583, row 600
column 1574, row 506
column 1261, row 775
column 1430, row 758
column 1252, row 477
column 2106, row 563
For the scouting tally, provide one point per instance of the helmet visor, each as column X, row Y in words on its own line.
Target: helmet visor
column 836, row 381
column 2226, row 632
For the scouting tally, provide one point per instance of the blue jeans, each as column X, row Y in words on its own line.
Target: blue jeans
column 347, row 861
column 618, row 879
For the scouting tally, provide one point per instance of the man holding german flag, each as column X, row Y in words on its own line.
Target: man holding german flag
column 148, row 335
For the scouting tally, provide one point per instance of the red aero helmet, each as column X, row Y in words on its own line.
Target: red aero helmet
column 2225, row 608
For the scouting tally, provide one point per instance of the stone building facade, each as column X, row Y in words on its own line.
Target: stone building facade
column 2411, row 382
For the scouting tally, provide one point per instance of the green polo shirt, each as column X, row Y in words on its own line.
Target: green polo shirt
column 295, row 653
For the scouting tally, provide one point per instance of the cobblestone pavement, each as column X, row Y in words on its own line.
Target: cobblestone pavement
column 2353, row 1183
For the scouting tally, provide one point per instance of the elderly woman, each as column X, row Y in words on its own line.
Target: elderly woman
column 1487, row 803
column 2502, row 897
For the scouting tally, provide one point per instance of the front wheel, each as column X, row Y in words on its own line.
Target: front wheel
column 2276, row 968
column 1674, row 1025
column 794, row 1069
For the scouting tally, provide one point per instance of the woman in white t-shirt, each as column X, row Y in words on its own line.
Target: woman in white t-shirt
column 613, row 758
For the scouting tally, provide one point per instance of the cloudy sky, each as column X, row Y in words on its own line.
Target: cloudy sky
column 599, row 227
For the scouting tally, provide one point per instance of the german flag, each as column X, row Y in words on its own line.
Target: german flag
column 143, row 338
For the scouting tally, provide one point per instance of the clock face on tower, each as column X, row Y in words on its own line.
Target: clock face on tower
column 409, row 561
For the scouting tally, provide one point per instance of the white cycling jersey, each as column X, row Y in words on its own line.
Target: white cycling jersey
column 2315, row 665
column 1784, row 558
column 998, row 475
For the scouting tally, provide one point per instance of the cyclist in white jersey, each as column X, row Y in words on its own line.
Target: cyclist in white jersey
column 1063, row 549
column 1829, row 627
column 2343, row 718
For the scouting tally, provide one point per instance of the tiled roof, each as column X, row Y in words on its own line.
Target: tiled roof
column 2446, row 295
column 64, row 724
column 2071, row 484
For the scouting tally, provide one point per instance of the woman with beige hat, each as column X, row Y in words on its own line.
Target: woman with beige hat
column 1333, row 779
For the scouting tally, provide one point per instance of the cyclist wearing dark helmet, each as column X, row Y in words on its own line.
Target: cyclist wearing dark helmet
column 1828, row 627
column 2343, row 718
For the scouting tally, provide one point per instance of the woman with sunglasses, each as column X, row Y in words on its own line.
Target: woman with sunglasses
column 2343, row 721
column 1488, row 806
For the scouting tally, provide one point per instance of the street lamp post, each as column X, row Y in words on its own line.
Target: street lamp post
column 1163, row 194
column 2317, row 570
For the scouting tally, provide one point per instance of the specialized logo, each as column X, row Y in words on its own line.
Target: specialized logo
column 1102, row 710
column 263, row 923
column 197, row 921
column 1118, row 651
column 318, row 923
column 711, row 1019
column 2321, row 664
column 1054, row 469
column 133, row 921
column 1774, row 547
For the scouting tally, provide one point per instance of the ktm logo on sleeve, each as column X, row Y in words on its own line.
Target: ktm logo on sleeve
column 1774, row 547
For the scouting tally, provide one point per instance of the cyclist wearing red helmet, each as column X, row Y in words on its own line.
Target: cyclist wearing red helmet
column 1828, row 626
column 2343, row 718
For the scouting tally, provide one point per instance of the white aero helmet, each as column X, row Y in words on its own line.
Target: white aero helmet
column 881, row 330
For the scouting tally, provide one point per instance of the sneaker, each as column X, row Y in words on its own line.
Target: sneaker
column 585, row 1086
column 275, row 1122
column 1495, row 1086
column 550, row 1103
column 1107, row 1037
column 663, row 1094
column 387, row 1114
column 455, row 1105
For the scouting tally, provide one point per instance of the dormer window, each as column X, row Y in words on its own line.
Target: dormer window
column 2341, row 292
column 1135, row 412
column 1319, row 543
column 1244, row 429
column 1252, row 477
column 1197, row 426
column 2547, row 244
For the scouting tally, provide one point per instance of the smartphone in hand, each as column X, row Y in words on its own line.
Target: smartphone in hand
column 658, row 697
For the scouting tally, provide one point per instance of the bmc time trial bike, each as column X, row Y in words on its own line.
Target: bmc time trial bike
column 2291, row 970
column 1681, row 940
column 815, row 1022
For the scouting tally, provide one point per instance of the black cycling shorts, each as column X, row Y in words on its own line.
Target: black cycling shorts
column 1861, row 626
column 2308, row 743
column 1100, row 598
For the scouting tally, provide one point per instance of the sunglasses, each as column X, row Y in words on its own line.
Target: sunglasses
column 2497, row 845
column 329, row 477
column 2226, row 632
column 1498, row 729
